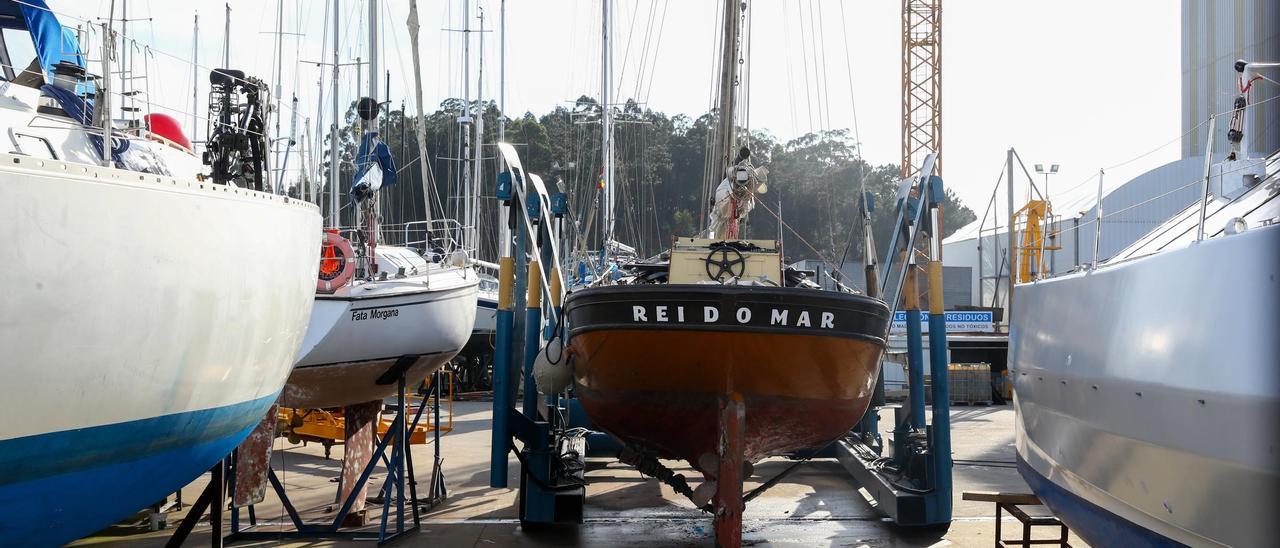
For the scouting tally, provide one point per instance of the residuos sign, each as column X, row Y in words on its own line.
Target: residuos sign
column 978, row 321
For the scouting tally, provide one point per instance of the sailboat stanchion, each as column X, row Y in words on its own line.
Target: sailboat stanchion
column 729, row 504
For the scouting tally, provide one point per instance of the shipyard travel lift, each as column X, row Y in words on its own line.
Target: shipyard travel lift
column 908, row 477
column 552, row 488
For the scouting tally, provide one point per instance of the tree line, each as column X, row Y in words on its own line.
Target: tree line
column 814, row 180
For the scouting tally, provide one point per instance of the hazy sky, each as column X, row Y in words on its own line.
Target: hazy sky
column 1085, row 84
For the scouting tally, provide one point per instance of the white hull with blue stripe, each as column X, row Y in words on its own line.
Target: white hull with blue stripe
column 149, row 316
column 147, row 324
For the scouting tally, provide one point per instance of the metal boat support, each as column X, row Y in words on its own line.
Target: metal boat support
column 551, row 485
column 398, row 493
column 910, row 480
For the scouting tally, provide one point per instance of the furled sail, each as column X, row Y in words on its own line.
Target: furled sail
column 735, row 196
column 374, row 167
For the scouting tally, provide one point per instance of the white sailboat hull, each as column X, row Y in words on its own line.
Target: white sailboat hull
column 486, row 313
column 1148, row 394
column 362, row 333
column 146, row 325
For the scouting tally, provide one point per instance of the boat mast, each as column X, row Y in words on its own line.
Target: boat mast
column 504, row 229
column 226, row 40
column 463, row 127
column 316, row 142
column 502, row 70
column 376, row 210
column 334, row 220
column 606, row 129
column 373, row 59
column 420, row 127
column 473, row 212
column 279, row 59
column 279, row 95
column 726, row 140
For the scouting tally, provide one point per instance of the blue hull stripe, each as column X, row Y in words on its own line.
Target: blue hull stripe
column 57, row 487
column 1091, row 522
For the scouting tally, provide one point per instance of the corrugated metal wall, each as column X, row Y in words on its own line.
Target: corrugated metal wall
column 1215, row 33
column 1129, row 213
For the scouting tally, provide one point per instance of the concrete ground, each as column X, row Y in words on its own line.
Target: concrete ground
column 817, row 505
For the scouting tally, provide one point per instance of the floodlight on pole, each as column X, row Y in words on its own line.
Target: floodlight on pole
column 1053, row 169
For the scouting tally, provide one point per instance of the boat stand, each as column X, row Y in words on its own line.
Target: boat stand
column 910, row 480
column 393, row 522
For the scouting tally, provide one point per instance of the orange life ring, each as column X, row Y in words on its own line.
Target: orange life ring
column 337, row 262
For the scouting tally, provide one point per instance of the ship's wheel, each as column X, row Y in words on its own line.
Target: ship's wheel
column 724, row 263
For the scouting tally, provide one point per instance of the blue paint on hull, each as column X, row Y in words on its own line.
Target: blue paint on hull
column 1091, row 522
column 61, row 486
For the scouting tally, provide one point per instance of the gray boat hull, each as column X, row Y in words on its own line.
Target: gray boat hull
column 1148, row 392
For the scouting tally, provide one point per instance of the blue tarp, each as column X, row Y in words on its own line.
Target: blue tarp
column 373, row 153
column 75, row 107
column 53, row 43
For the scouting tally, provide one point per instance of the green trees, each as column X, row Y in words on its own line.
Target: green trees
column 814, row 180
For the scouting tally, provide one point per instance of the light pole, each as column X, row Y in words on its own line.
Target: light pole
column 1053, row 170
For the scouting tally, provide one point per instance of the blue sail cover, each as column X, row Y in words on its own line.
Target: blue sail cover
column 373, row 154
column 53, row 43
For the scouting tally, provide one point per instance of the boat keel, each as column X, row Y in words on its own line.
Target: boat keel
column 253, row 460
column 729, row 472
column 357, row 449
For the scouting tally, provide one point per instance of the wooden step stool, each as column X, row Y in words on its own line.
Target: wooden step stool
column 1010, row 502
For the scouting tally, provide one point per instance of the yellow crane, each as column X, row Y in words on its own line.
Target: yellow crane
column 1035, row 224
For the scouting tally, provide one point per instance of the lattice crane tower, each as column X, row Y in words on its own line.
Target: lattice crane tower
column 921, row 83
